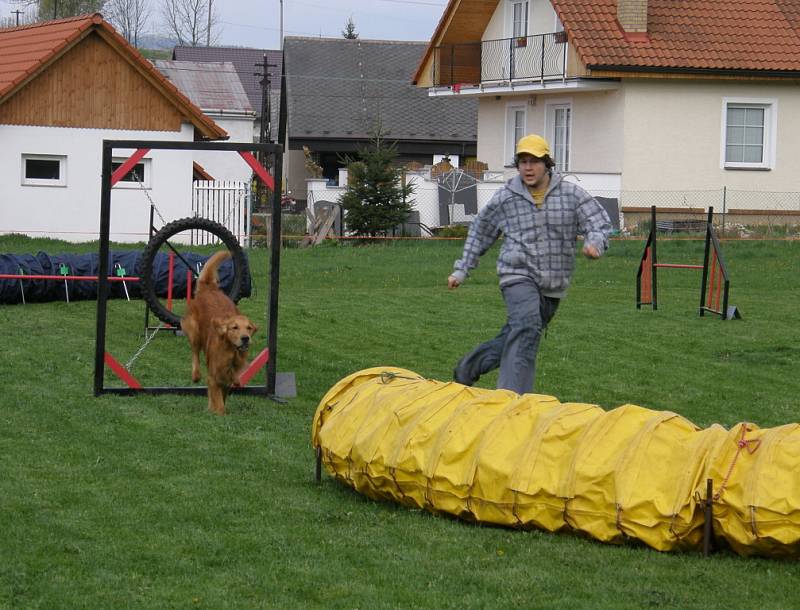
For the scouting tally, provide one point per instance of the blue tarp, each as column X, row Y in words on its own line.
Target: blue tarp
column 88, row 264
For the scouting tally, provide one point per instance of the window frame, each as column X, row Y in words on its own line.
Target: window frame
column 61, row 181
column 769, row 135
column 524, row 21
column 562, row 165
column 510, row 129
column 147, row 181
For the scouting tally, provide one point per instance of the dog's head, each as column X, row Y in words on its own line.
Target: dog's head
column 236, row 330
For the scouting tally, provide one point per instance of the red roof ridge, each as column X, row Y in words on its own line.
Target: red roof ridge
column 94, row 17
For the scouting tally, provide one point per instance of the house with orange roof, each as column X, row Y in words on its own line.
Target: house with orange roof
column 633, row 95
column 65, row 86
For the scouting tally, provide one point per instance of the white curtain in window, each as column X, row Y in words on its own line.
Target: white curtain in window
column 744, row 137
column 520, row 19
column 560, row 145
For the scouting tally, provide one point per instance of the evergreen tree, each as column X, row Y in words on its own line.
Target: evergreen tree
column 375, row 201
column 349, row 30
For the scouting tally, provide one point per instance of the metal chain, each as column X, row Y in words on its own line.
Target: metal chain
column 147, row 341
column 146, row 194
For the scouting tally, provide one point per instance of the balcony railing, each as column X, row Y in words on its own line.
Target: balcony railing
column 542, row 57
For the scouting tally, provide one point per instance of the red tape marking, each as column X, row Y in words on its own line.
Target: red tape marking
column 121, row 372
column 262, row 173
column 254, row 367
column 123, row 169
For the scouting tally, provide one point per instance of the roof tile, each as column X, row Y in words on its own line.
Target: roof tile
column 749, row 35
column 368, row 83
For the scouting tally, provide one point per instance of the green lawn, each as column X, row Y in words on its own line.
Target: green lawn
column 150, row 502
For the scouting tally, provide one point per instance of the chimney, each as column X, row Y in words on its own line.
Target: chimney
column 632, row 17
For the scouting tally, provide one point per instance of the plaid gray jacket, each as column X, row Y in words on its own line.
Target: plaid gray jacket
column 539, row 243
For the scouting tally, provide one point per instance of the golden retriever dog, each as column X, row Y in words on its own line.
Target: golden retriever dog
column 216, row 327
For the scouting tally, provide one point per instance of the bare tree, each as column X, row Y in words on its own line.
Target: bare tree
column 190, row 21
column 130, row 17
column 56, row 9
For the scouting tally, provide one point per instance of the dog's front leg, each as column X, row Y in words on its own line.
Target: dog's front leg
column 216, row 397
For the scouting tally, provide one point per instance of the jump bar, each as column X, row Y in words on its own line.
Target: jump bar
column 676, row 266
column 86, row 278
column 194, row 390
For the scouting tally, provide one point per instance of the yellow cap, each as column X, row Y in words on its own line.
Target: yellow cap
column 533, row 145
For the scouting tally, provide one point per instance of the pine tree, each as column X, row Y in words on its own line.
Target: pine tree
column 349, row 30
column 375, row 201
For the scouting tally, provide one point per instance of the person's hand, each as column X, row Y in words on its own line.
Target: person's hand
column 590, row 251
column 452, row 282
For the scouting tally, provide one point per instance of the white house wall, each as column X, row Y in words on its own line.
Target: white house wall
column 225, row 165
column 72, row 212
column 597, row 128
column 296, row 175
column 542, row 17
column 673, row 133
column 496, row 28
column 541, row 20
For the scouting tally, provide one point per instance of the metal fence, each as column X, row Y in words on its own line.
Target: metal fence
column 539, row 56
column 226, row 202
column 737, row 213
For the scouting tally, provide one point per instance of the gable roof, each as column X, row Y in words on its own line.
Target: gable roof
column 754, row 37
column 693, row 35
column 211, row 86
column 368, row 82
column 27, row 51
column 246, row 61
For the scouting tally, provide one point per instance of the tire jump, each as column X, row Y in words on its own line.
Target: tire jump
column 162, row 237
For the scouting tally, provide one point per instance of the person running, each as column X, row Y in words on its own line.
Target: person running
column 540, row 216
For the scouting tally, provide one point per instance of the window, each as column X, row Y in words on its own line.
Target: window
column 44, row 170
column 138, row 176
column 519, row 20
column 559, row 133
column 748, row 138
column 515, row 129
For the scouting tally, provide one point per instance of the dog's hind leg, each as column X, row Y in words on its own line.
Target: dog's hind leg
column 189, row 327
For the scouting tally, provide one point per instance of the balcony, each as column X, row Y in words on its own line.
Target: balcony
column 539, row 57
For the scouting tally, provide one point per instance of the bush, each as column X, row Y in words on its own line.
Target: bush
column 453, row 231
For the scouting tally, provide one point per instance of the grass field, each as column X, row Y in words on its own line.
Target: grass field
column 150, row 502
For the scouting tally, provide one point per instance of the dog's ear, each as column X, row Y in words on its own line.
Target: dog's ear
column 253, row 329
column 220, row 325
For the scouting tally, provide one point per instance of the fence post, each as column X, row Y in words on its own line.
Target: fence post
column 511, row 57
column 541, row 70
column 724, row 206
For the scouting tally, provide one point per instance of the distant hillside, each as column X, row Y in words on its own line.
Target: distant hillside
column 156, row 53
column 156, row 42
column 153, row 46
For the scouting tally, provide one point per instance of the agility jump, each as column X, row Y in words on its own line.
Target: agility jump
column 715, row 282
column 267, row 357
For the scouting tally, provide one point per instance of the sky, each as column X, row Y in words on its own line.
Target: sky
column 256, row 23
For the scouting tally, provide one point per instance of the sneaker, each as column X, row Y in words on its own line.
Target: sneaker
column 462, row 378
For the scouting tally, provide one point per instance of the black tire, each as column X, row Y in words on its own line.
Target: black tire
column 171, row 229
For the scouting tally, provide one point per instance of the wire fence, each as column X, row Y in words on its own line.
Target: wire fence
column 680, row 213
column 742, row 214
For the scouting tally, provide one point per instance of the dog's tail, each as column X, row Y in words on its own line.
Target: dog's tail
column 209, row 276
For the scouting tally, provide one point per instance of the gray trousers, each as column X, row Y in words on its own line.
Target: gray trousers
column 515, row 347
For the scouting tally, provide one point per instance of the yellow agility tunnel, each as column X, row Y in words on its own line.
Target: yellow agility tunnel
column 530, row 461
